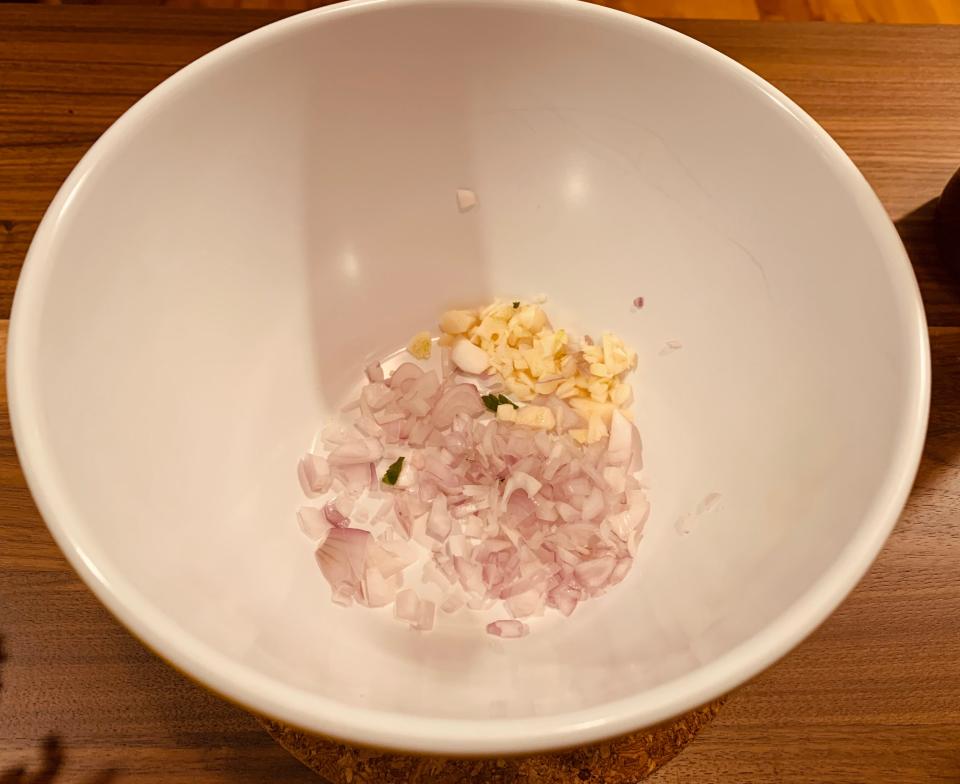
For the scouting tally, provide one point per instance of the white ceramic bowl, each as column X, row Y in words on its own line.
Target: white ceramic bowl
column 213, row 276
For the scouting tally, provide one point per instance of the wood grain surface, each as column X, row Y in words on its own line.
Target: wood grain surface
column 887, row 11
column 874, row 695
column 884, row 11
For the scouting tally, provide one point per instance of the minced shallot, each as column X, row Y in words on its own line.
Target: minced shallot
column 501, row 514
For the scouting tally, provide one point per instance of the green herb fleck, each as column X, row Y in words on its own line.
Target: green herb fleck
column 393, row 472
column 492, row 402
column 516, row 304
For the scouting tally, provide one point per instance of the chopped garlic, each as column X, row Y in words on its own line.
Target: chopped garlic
column 587, row 408
column 468, row 357
column 566, row 389
column 516, row 340
column 456, row 322
column 600, row 370
column 531, row 317
column 420, row 345
column 506, row 412
column 546, row 387
column 593, row 354
column 599, row 390
column 596, row 429
column 535, row 416
column 621, row 394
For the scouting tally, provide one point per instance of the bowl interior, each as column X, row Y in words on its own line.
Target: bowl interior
column 207, row 288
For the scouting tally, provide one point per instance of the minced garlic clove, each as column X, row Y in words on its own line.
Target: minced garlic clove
column 420, row 345
column 468, row 357
column 596, row 429
column 621, row 395
column 456, row 322
column 535, row 416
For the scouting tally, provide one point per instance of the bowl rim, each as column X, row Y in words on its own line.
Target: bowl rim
column 466, row 737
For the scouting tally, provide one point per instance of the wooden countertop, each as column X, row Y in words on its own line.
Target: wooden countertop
column 874, row 695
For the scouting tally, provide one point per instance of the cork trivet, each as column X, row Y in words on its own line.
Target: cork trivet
column 621, row 761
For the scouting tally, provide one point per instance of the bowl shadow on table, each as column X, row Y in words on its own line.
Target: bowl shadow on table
column 940, row 285
column 53, row 757
column 939, row 282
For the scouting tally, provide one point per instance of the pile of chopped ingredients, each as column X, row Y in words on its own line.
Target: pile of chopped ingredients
column 508, row 479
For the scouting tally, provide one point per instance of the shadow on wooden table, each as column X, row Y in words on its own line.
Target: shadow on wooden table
column 938, row 281
column 52, row 756
column 941, row 286
column 51, row 766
